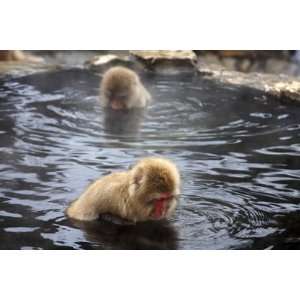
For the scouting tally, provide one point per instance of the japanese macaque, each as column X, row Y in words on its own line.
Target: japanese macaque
column 121, row 88
column 148, row 191
column 17, row 55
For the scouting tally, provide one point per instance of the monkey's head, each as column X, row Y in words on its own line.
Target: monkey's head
column 154, row 188
column 119, row 88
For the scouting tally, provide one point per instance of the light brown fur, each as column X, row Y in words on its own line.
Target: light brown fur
column 123, row 86
column 130, row 195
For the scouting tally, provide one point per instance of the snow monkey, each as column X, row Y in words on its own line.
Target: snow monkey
column 121, row 88
column 148, row 191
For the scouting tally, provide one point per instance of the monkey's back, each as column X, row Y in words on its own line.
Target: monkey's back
column 108, row 189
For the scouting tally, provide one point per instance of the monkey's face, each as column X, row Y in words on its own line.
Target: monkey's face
column 156, row 188
column 118, row 88
column 155, row 206
column 118, row 98
column 162, row 205
column 161, row 193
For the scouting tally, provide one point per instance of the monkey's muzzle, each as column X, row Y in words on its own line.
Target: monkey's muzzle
column 117, row 105
column 161, row 205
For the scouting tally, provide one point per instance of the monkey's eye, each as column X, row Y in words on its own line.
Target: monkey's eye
column 123, row 96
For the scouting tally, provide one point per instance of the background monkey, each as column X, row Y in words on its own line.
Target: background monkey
column 146, row 192
column 121, row 88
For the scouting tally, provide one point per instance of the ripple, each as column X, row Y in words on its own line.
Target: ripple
column 20, row 229
column 238, row 156
column 9, row 214
column 291, row 150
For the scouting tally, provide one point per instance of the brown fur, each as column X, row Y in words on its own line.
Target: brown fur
column 130, row 195
column 124, row 86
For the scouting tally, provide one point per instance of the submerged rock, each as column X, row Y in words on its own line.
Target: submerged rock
column 165, row 61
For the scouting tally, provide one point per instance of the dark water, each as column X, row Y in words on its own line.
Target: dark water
column 238, row 152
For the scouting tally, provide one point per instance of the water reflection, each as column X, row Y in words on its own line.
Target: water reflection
column 126, row 123
column 105, row 234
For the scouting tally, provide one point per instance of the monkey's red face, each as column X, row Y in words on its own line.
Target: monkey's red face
column 162, row 205
column 155, row 185
column 117, row 100
column 116, row 104
column 119, row 93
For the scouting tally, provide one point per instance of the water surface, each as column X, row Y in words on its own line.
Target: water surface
column 238, row 153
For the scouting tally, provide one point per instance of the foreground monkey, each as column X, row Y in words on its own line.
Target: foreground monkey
column 146, row 192
column 121, row 88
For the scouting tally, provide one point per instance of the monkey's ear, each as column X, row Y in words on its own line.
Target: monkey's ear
column 138, row 175
column 136, row 179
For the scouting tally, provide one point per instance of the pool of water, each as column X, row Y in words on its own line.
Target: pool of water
column 238, row 153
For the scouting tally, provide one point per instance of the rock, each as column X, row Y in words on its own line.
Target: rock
column 283, row 87
column 210, row 58
column 253, row 61
column 18, row 55
column 19, row 69
column 164, row 61
column 276, row 66
column 103, row 62
column 19, row 63
column 244, row 65
column 257, row 54
column 229, row 63
column 155, row 55
column 290, row 90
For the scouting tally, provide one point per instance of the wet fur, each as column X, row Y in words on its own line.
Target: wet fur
column 120, row 80
column 129, row 194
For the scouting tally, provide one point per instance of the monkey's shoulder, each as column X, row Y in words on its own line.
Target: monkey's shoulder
column 112, row 177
